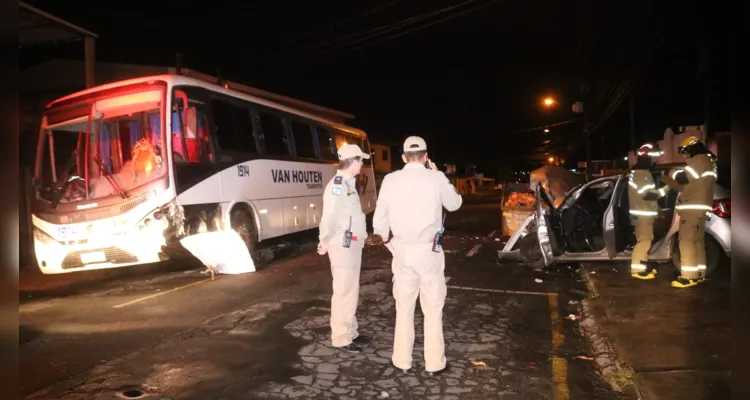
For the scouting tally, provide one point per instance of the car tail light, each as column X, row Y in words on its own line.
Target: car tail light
column 722, row 208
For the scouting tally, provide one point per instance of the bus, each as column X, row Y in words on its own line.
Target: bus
column 124, row 170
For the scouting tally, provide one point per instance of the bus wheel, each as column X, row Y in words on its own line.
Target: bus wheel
column 242, row 222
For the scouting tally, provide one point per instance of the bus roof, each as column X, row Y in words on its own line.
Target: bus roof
column 174, row 79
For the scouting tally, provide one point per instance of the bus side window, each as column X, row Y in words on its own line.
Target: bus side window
column 198, row 149
column 341, row 139
column 326, row 144
column 234, row 127
column 303, row 139
column 274, row 134
column 178, row 152
column 345, row 138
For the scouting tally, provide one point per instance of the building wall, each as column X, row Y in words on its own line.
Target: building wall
column 382, row 155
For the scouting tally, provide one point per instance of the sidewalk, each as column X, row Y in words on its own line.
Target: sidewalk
column 677, row 341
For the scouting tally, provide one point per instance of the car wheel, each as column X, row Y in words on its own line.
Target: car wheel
column 243, row 223
column 714, row 254
column 530, row 251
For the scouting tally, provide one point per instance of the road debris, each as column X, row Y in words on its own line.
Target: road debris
column 587, row 358
column 479, row 363
column 537, row 280
column 474, row 250
column 221, row 252
column 573, row 317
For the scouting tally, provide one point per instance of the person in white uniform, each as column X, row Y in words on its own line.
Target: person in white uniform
column 342, row 235
column 410, row 206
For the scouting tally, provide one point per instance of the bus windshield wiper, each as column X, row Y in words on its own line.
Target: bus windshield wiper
column 108, row 176
column 59, row 190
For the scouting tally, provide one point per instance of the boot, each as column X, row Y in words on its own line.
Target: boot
column 649, row 273
column 682, row 283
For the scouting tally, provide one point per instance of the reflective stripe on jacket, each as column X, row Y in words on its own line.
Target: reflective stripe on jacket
column 698, row 193
column 641, row 183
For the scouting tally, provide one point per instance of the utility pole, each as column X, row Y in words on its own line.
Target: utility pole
column 585, row 126
column 632, row 120
column 706, row 77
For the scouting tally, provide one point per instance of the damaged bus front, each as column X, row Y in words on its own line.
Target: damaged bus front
column 101, row 178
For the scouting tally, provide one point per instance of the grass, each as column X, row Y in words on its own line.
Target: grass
column 624, row 377
column 590, row 287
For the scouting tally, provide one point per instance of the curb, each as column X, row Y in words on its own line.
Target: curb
column 614, row 371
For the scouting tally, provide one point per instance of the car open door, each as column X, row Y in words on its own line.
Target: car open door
column 614, row 215
column 546, row 240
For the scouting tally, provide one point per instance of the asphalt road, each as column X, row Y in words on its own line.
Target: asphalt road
column 168, row 331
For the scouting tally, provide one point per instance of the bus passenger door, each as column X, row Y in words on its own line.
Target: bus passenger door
column 195, row 173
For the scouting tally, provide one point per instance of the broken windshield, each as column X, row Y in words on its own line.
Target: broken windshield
column 116, row 150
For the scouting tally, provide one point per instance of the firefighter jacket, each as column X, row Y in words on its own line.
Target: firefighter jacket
column 643, row 194
column 698, row 193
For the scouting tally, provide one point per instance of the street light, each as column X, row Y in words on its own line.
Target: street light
column 546, row 131
column 551, row 159
column 549, row 101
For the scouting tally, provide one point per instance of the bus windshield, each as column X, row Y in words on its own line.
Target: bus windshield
column 112, row 150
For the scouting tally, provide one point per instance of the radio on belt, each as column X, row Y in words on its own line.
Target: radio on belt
column 348, row 234
column 437, row 242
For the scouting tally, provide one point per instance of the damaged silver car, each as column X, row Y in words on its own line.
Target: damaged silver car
column 593, row 224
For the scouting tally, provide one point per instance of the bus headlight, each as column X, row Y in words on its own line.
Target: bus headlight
column 42, row 236
column 152, row 224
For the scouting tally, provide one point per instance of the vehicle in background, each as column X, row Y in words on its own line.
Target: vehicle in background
column 593, row 224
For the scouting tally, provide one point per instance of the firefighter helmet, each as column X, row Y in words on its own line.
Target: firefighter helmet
column 651, row 150
column 687, row 143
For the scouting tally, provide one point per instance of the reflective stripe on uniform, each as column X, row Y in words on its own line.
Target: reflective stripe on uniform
column 709, row 173
column 692, row 172
column 674, row 174
column 693, row 207
column 701, row 267
column 633, row 185
column 637, row 267
column 662, row 191
column 689, row 269
column 644, row 213
column 646, row 187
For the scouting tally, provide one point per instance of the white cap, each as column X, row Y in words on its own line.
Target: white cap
column 351, row 150
column 414, row 143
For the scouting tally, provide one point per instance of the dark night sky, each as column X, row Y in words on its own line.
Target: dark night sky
column 467, row 83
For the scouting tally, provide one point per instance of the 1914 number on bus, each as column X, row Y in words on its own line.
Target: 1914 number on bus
column 243, row 170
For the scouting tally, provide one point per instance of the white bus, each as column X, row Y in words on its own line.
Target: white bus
column 112, row 189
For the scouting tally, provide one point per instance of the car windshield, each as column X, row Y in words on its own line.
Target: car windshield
column 110, row 153
column 602, row 188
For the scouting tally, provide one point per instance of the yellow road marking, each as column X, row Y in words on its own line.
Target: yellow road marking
column 501, row 291
column 160, row 293
column 559, row 364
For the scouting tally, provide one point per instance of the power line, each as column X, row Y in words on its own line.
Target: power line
column 538, row 128
column 391, row 37
column 371, row 33
column 328, row 28
column 363, row 35
column 615, row 103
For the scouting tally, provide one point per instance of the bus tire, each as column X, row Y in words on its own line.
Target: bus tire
column 242, row 222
